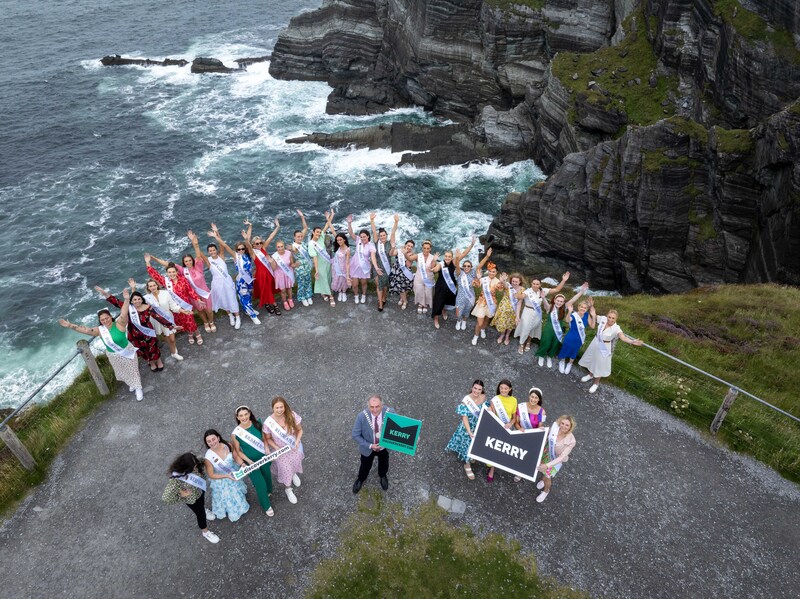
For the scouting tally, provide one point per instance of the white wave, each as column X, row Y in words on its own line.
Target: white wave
column 91, row 64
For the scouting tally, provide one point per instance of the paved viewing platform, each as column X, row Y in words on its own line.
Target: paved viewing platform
column 646, row 506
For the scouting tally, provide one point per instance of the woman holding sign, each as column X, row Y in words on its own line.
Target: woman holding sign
column 597, row 358
column 553, row 327
column 248, row 444
column 486, row 306
column 187, row 485
column 280, row 429
column 531, row 414
column 584, row 317
column 560, row 443
column 504, row 406
column 228, row 495
column 469, row 409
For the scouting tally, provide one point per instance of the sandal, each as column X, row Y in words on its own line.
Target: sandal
column 520, row 350
column 199, row 340
column 470, row 473
column 332, row 302
column 277, row 310
column 153, row 367
column 499, row 340
column 213, row 328
column 419, row 309
column 507, row 341
column 207, row 327
column 404, row 306
column 527, row 347
column 270, row 308
column 191, row 340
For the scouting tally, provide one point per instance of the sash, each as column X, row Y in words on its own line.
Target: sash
column 156, row 307
column 487, row 295
column 601, row 326
column 525, row 416
column 201, row 292
column 284, row 267
column 556, row 325
column 303, row 252
column 512, row 296
column 473, row 407
column 222, row 270
column 170, row 288
column 363, row 262
column 250, row 439
column 129, row 351
column 501, row 410
column 466, row 287
column 244, row 471
column 551, row 445
column 263, row 259
column 133, row 314
column 384, row 258
column 401, row 260
column 537, row 306
column 243, row 271
column 193, row 479
column 372, row 425
column 448, row 278
column 219, row 463
column 424, row 271
column 580, row 327
column 280, row 432
column 321, row 251
column 337, row 265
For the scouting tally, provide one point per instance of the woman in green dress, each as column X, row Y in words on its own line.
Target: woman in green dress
column 553, row 326
column 248, row 444
column 322, row 259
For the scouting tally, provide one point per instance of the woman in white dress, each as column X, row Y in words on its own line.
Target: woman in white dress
column 597, row 358
column 534, row 304
column 423, row 277
column 160, row 300
column 223, row 289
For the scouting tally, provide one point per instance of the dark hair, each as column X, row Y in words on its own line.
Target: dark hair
column 256, row 422
column 343, row 236
column 316, row 229
column 185, row 464
column 411, row 241
column 481, row 383
column 137, row 294
column 538, row 393
column 213, row 431
column 212, row 245
column 382, row 230
column 104, row 311
column 183, row 259
column 172, row 265
column 296, row 231
column 365, row 232
column 505, row 382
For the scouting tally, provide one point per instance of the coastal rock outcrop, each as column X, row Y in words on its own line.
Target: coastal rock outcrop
column 117, row 60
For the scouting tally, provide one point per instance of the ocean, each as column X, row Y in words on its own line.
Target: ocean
column 101, row 164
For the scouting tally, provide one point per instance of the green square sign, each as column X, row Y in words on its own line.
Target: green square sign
column 400, row 433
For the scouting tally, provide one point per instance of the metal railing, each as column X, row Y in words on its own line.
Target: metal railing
column 7, row 434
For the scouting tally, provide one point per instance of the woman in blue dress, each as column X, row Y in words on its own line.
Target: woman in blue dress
column 469, row 409
column 302, row 270
column 243, row 258
column 575, row 337
column 228, row 495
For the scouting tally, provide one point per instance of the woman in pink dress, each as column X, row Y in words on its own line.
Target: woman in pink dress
column 341, row 267
column 284, row 274
column 363, row 261
column 194, row 271
column 283, row 428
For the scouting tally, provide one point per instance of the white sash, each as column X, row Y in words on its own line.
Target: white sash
column 363, row 262
column 245, row 470
column 580, row 326
column 556, row 325
column 512, row 296
column 337, row 264
column 551, row 444
column 427, row 280
column 303, row 252
column 451, row 284
column 601, row 326
column 284, row 267
column 193, row 479
column 243, row 271
column 501, row 410
column 525, row 417
column 473, row 407
column 321, row 251
column 222, row 270
column 250, row 439
column 466, row 287
column 532, row 297
column 219, row 463
column 384, row 258
column 129, row 351
column 199, row 291
column 280, row 432
column 133, row 314
column 170, row 288
column 156, row 307
column 487, row 295
column 265, row 261
column 401, row 260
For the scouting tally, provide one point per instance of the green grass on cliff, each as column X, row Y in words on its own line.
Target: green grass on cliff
column 421, row 555
column 509, row 4
column 45, row 430
column 748, row 335
column 753, row 27
column 635, row 55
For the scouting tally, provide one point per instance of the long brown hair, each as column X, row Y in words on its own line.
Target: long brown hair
column 291, row 424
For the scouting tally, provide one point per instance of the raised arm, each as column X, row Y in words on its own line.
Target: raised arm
column 272, row 235
column 159, row 260
column 483, row 262
column 461, row 255
column 214, row 232
column 393, row 234
column 246, row 236
column 581, row 290
column 122, row 320
column 350, row 227
column 305, row 224
column 330, row 224
column 199, row 255
column 437, row 266
column 372, row 216
column 558, row 287
column 157, row 276
column 592, row 312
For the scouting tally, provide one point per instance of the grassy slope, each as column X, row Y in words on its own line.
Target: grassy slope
column 748, row 335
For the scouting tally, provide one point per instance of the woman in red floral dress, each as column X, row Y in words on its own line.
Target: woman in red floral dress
column 181, row 291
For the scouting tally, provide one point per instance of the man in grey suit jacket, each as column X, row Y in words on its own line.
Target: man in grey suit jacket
column 367, row 433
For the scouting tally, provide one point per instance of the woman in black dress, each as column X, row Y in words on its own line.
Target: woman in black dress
column 444, row 292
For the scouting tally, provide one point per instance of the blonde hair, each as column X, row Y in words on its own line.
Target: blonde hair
column 571, row 420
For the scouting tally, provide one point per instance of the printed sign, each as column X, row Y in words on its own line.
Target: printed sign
column 242, row 472
column 400, row 433
column 518, row 452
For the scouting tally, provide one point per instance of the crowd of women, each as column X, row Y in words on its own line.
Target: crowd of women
column 324, row 264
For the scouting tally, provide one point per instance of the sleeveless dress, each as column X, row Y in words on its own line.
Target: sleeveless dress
column 223, row 289
column 228, row 497
column 243, row 287
column 384, row 279
column 530, row 320
column 423, row 295
column 125, row 369
column 282, row 280
column 572, row 340
column 465, row 300
column 505, row 318
column 398, row 281
column 264, row 287
column 549, row 345
column 261, row 478
column 197, row 277
column 339, row 282
column 291, row 462
column 302, row 272
column 322, row 282
column 357, row 270
column 442, row 296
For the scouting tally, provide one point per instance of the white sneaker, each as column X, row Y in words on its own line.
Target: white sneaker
column 541, row 362
column 541, row 497
column 343, row 298
column 270, row 512
column 540, row 485
column 295, row 480
column 290, row 495
column 177, row 356
column 561, row 366
column 483, row 333
column 210, row 515
column 549, row 363
column 310, row 301
column 139, row 394
column 363, row 299
column 305, row 303
column 210, row 537
column 232, row 319
column 255, row 320
column 475, row 340
column 593, row 388
column 568, row 368
column 517, row 479
column 130, row 388
column 238, row 323
column 586, row 379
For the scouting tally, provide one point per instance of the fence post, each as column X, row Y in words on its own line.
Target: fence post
column 91, row 364
column 723, row 410
column 11, row 440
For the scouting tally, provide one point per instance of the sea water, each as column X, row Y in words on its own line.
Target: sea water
column 101, row 164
